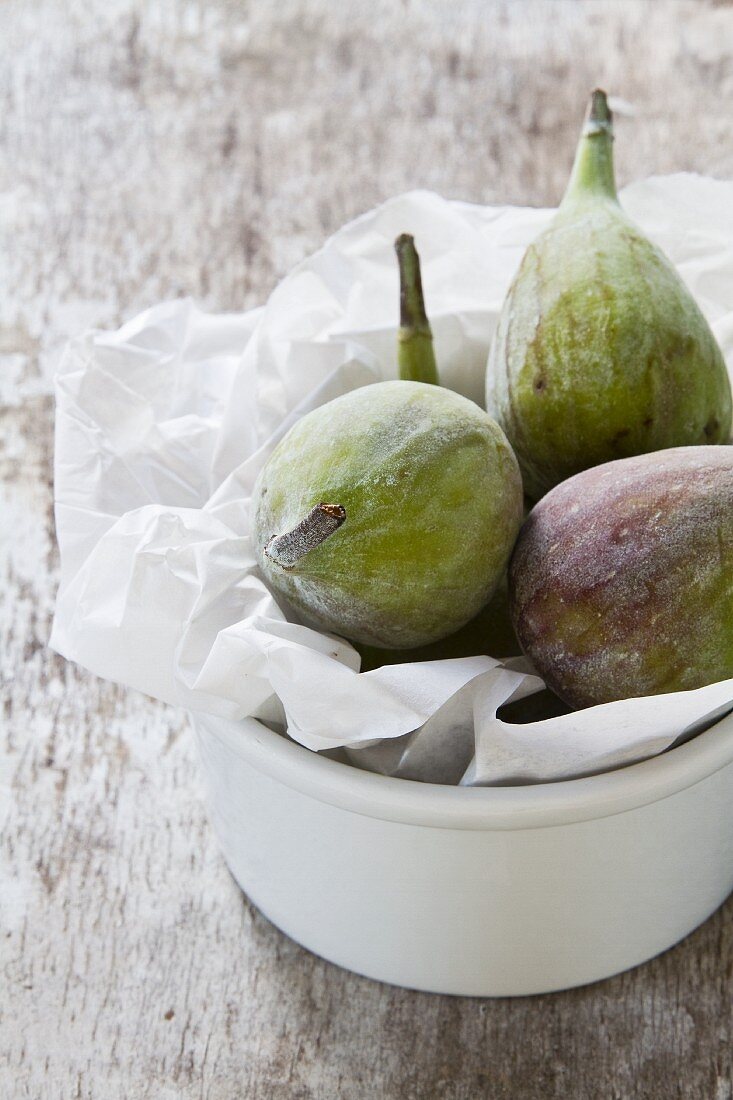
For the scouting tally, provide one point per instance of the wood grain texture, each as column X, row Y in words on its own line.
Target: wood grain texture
column 152, row 148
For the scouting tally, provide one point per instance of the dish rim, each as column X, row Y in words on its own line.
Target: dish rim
column 435, row 805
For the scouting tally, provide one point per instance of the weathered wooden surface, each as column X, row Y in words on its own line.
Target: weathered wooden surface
column 153, row 148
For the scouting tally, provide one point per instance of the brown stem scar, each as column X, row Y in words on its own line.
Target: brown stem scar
column 599, row 119
column 287, row 549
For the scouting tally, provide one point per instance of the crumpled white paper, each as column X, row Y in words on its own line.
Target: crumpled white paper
column 163, row 426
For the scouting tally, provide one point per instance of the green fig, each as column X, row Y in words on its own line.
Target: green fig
column 621, row 582
column 388, row 515
column 600, row 351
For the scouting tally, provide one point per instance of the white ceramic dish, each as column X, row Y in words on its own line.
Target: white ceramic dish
column 485, row 891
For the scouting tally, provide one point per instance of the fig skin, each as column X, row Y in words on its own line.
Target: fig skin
column 490, row 633
column 433, row 502
column 621, row 581
column 601, row 352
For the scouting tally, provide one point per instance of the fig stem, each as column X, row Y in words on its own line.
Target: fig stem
column 287, row 549
column 592, row 172
column 415, row 353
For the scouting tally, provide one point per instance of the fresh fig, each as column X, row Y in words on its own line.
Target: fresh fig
column 601, row 352
column 388, row 515
column 621, row 582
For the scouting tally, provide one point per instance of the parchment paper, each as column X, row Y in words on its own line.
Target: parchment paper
column 163, row 426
